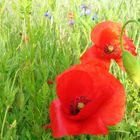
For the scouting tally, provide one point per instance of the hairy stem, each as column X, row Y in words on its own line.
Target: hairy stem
column 123, row 28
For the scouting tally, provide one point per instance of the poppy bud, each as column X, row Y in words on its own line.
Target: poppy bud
column 130, row 62
column 20, row 100
column 132, row 66
column 50, row 82
column 46, row 126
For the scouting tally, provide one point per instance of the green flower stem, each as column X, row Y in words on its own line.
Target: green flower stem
column 4, row 119
column 123, row 28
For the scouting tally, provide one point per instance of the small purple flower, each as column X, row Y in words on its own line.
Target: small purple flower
column 47, row 14
column 85, row 10
column 94, row 17
column 88, row 12
column 71, row 22
column 83, row 6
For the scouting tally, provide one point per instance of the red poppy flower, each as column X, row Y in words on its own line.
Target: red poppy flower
column 106, row 39
column 89, row 100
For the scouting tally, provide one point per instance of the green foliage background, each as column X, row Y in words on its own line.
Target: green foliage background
column 54, row 46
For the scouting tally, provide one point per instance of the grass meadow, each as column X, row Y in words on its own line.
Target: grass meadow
column 35, row 48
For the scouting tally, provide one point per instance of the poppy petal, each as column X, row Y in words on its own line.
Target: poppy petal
column 112, row 110
column 112, row 107
column 128, row 45
column 94, row 54
column 62, row 126
column 73, row 84
column 103, row 31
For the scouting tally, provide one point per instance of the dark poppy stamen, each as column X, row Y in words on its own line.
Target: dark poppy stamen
column 78, row 104
column 109, row 49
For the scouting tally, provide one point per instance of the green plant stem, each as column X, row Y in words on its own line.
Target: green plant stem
column 123, row 28
column 4, row 119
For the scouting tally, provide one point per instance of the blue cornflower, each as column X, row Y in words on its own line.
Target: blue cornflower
column 85, row 10
column 47, row 14
column 83, row 6
column 94, row 17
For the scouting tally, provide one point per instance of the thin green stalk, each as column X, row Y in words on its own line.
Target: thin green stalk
column 14, row 79
column 4, row 119
column 123, row 28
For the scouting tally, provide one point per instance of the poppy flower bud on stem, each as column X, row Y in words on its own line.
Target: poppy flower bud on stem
column 130, row 62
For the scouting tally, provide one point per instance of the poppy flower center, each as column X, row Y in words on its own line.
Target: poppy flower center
column 109, row 49
column 78, row 104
